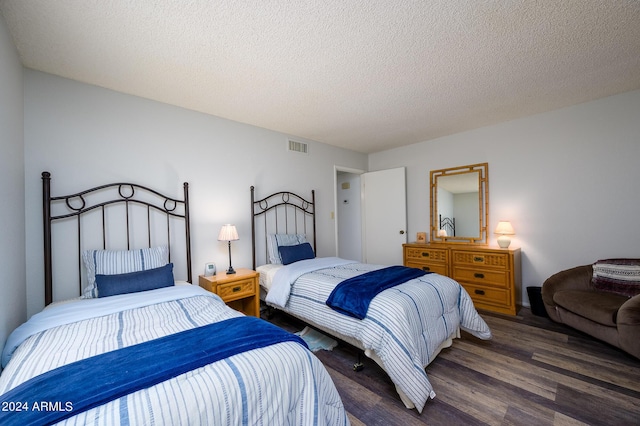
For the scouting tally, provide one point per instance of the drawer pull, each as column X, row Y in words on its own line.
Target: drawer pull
column 478, row 275
column 480, row 292
column 425, row 254
column 426, row 268
column 236, row 289
column 478, row 259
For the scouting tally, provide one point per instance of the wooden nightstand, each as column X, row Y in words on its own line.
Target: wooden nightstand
column 240, row 290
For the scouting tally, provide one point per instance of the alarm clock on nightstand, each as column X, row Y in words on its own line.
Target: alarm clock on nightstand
column 209, row 269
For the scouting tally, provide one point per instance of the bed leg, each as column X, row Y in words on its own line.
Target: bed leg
column 266, row 311
column 358, row 366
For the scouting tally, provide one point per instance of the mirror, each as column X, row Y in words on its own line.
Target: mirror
column 460, row 204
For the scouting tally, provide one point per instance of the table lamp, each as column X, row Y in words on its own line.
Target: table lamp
column 504, row 229
column 228, row 233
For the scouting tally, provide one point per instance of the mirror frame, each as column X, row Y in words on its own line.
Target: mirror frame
column 483, row 203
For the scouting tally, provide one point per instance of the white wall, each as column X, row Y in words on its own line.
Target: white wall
column 86, row 136
column 567, row 180
column 13, row 304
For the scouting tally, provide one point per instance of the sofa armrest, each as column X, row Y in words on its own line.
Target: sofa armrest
column 578, row 278
column 628, row 321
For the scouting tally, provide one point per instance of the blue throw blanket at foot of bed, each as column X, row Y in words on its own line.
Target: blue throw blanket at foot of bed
column 353, row 296
column 73, row 388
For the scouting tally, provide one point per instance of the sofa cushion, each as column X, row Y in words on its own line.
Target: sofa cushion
column 600, row 307
column 620, row 276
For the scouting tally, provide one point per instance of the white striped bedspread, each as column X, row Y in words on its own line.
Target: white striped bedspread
column 405, row 325
column 283, row 384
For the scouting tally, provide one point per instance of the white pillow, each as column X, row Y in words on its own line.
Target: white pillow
column 276, row 240
column 110, row 262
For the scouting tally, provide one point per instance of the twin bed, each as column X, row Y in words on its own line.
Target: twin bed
column 143, row 346
column 403, row 328
column 139, row 346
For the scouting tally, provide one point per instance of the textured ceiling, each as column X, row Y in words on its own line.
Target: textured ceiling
column 366, row 75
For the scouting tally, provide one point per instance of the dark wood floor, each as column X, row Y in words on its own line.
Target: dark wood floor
column 533, row 372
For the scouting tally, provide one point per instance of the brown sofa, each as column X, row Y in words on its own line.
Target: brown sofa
column 571, row 298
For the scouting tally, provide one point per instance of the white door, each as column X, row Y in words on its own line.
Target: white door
column 384, row 216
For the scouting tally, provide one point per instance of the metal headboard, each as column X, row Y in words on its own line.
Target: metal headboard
column 100, row 198
column 280, row 213
column 449, row 225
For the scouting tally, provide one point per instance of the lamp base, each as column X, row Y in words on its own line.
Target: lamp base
column 230, row 270
column 504, row 241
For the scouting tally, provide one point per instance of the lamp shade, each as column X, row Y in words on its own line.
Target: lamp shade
column 228, row 233
column 504, row 228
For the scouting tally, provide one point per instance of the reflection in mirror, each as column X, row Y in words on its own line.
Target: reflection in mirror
column 459, row 204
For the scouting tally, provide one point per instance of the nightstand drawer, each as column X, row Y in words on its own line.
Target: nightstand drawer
column 428, row 267
column 237, row 289
column 486, row 259
column 490, row 296
column 481, row 277
column 426, row 254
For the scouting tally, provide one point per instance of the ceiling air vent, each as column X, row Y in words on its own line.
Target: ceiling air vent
column 298, row 146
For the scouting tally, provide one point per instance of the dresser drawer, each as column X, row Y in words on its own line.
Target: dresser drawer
column 426, row 254
column 481, row 277
column 237, row 289
column 486, row 259
column 487, row 295
column 490, row 275
column 438, row 268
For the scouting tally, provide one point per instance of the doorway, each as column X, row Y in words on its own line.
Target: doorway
column 370, row 219
column 348, row 218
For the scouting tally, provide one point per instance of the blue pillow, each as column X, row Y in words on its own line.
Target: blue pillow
column 133, row 282
column 290, row 254
column 274, row 241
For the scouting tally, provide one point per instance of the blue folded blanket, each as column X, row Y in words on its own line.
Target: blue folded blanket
column 85, row 384
column 353, row 296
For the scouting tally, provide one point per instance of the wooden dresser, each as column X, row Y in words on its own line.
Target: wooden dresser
column 491, row 275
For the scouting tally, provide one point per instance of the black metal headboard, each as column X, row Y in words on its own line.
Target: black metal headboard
column 280, row 213
column 448, row 224
column 113, row 205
